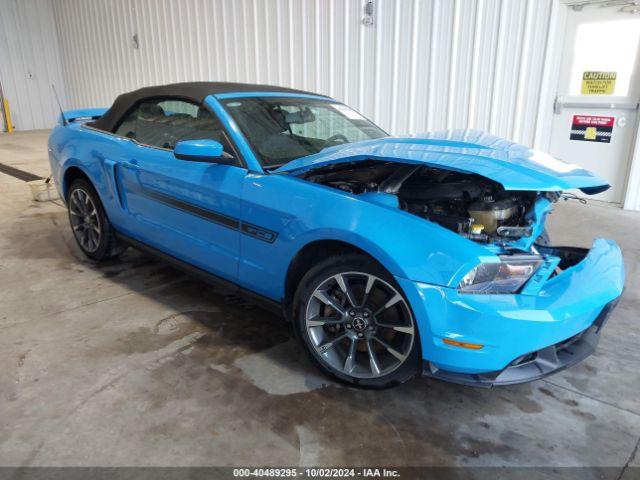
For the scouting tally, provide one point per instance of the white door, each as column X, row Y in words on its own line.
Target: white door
column 596, row 109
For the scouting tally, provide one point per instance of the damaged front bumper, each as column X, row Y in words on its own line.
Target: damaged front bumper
column 534, row 365
column 523, row 337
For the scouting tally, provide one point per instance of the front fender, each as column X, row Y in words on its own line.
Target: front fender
column 353, row 238
column 407, row 249
column 303, row 212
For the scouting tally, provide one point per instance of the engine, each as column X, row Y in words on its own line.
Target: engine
column 470, row 205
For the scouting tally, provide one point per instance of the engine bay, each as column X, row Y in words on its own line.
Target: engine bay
column 468, row 204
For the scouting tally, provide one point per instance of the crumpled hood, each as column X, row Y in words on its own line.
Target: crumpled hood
column 515, row 166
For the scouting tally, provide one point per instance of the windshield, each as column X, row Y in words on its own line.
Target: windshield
column 282, row 129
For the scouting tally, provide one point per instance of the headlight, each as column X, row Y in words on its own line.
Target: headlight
column 507, row 276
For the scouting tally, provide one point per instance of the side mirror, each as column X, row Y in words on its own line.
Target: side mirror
column 199, row 151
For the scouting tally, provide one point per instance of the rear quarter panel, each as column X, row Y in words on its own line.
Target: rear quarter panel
column 94, row 153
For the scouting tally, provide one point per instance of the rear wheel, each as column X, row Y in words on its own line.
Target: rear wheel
column 89, row 223
column 356, row 324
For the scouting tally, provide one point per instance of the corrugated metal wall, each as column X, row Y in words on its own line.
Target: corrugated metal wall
column 422, row 65
column 29, row 62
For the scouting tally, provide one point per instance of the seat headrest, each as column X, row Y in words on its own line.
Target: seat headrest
column 203, row 114
column 151, row 110
column 279, row 117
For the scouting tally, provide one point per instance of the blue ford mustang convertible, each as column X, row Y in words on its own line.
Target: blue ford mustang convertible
column 389, row 255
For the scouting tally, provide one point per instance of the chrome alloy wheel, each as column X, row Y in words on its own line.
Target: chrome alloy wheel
column 85, row 220
column 359, row 325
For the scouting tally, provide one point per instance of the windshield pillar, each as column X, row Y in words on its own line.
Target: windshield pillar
column 235, row 133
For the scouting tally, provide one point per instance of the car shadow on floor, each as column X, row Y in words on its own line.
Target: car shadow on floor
column 242, row 367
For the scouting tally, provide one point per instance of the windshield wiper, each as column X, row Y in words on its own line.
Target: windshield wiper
column 273, row 167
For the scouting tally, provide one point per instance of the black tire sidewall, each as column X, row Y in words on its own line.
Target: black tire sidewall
column 103, row 249
column 318, row 274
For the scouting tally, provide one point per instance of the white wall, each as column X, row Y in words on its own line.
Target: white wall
column 29, row 62
column 423, row 65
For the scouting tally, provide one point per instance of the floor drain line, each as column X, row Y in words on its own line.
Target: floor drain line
column 19, row 174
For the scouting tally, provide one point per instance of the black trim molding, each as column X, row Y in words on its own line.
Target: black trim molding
column 204, row 213
column 246, row 228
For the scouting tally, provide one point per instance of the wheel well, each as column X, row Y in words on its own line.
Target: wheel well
column 70, row 175
column 309, row 256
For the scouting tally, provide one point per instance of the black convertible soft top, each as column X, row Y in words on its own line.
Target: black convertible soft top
column 191, row 91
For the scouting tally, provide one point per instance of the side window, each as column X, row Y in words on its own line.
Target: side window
column 163, row 123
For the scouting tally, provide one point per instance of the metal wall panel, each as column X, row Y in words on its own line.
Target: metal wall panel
column 422, row 65
column 30, row 62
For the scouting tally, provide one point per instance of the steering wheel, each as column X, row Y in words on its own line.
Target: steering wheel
column 336, row 139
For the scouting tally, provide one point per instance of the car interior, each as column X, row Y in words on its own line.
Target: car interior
column 150, row 124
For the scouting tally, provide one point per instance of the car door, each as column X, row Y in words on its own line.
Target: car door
column 187, row 209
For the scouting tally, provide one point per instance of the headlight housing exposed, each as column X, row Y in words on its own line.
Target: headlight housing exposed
column 506, row 276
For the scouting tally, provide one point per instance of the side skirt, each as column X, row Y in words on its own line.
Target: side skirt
column 260, row 300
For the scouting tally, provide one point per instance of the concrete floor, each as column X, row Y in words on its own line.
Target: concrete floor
column 133, row 363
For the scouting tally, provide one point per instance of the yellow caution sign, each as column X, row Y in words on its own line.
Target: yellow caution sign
column 598, row 83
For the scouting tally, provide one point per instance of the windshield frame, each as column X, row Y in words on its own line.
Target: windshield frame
column 226, row 98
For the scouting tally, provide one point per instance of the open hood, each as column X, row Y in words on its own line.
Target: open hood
column 514, row 166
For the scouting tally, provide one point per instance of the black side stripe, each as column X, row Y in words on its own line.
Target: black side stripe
column 210, row 215
column 249, row 229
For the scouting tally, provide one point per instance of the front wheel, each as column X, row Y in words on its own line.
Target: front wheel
column 356, row 324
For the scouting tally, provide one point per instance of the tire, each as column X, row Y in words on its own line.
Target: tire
column 89, row 223
column 366, row 340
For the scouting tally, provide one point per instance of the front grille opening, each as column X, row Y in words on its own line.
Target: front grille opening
column 568, row 342
column 524, row 359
